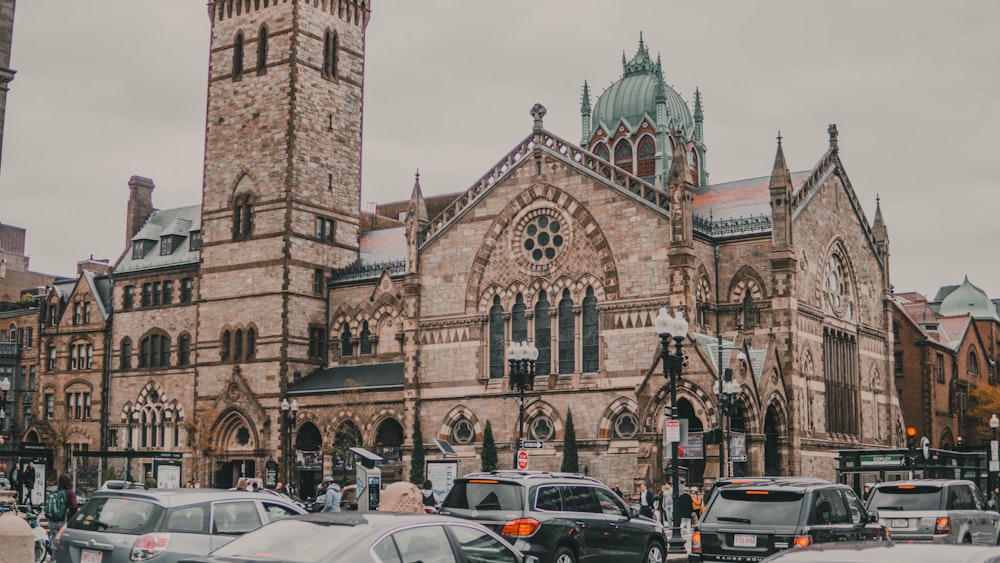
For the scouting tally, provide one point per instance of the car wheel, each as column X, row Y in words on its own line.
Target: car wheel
column 654, row 553
column 564, row 555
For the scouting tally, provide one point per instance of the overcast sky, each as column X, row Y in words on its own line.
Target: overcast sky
column 110, row 88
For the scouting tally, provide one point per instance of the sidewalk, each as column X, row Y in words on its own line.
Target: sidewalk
column 687, row 547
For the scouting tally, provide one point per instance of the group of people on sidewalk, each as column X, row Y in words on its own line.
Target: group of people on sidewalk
column 661, row 506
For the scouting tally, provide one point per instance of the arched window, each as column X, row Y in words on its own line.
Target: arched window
column 262, row 50
column 693, row 165
column 238, row 345
column 623, row 155
column 238, row 56
column 126, row 354
column 601, row 150
column 243, row 216
column 346, row 348
column 251, row 343
column 225, row 345
column 518, row 321
column 590, row 332
column 749, row 315
column 543, row 335
column 154, row 351
column 330, row 55
column 50, row 357
column 973, row 363
column 567, row 323
column 184, row 350
column 496, row 340
column 365, row 340
column 647, row 157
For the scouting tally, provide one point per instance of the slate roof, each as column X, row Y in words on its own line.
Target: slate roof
column 181, row 221
column 341, row 378
column 740, row 198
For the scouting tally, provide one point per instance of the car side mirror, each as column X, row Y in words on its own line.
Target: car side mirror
column 872, row 516
column 633, row 511
column 530, row 559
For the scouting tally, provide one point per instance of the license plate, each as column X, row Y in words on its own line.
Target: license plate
column 90, row 556
column 900, row 523
column 744, row 540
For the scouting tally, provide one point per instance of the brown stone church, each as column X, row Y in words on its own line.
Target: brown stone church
column 278, row 288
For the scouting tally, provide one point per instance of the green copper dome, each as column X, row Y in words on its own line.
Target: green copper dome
column 968, row 299
column 636, row 93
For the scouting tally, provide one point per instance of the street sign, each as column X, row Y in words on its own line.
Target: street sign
column 673, row 431
column 532, row 444
column 522, row 459
column 885, row 459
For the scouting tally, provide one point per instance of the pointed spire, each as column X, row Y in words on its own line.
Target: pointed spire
column 878, row 224
column 781, row 178
column 418, row 207
column 585, row 104
column 679, row 173
column 698, row 115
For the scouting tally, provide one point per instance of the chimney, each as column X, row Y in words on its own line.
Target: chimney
column 140, row 206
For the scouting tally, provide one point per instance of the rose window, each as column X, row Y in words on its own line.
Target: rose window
column 542, row 239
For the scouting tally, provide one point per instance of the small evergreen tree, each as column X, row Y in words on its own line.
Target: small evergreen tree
column 489, row 456
column 570, row 463
column 417, row 456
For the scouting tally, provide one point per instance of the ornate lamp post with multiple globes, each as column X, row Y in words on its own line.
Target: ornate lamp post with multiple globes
column 289, row 414
column 992, row 456
column 675, row 328
column 521, row 357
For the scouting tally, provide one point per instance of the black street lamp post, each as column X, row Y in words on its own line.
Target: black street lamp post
column 521, row 357
column 289, row 414
column 729, row 388
column 131, row 419
column 673, row 366
column 4, row 398
column 992, row 456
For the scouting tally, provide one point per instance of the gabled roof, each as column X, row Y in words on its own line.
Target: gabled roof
column 739, row 199
column 181, row 221
column 100, row 288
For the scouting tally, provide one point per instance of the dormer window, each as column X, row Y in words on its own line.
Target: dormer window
column 168, row 244
column 140, row 248
column 195, row 241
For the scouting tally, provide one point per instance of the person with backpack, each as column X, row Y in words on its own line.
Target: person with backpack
column 60, row 506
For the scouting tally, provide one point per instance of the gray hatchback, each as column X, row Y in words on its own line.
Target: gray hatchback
column 122, row 526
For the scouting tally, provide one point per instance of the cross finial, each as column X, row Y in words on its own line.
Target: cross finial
column 832, row 130
column 779, row 136
column 538, row 112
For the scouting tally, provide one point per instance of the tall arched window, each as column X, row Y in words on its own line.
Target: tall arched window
column 518, row 321
column 693, row 165
column 567, row 324
column 543, row 335
column 238, row 56
column 973, row 363
column 154, row 351
column 262, row 50
column 749, row 315
column 365, row 340
column 126, row 355
column 496, row 340
column 346, row 347
column 184, row 350
column 623, row 155
column 590, row 332
column 251, row 343
column 647, row 157
column 243, row 216
column 225, row 346
column 330, row 55
column 601, row 150
column 238, row 345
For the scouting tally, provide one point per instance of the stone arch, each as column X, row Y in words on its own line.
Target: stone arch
column 532, row 413
column 235, row 433
column 746, row 279
column 455, row 415
column 537, row 196
column 837, row 248
column 621, row 405
column 245, row 184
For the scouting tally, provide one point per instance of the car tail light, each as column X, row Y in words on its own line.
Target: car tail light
column 522, row 527
column 802, row 541
column 149, row 546
column 942, row 526
column 696, row 542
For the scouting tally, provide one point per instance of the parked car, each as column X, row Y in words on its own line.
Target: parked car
column 748, row 522
column 750, row 480
column 368, row 537
column 557, row 517
column 939, row 510
column 121, row 526
column 119, row 484
column 888, row 552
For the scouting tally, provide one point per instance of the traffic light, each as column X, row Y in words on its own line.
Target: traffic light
column 911, row 438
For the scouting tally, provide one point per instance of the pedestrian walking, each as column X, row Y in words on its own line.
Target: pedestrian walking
column 666, row 504
column 28, row 481
column 331, row 500
column 15, row 482
column 684, row 509
column 618, row 492
column 60, row 506
column 645, row 501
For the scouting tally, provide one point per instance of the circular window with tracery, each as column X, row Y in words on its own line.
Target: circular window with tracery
column 540, row 238
column 625, row 426
column 541, row 428
column 462, row 432
column 835, row 284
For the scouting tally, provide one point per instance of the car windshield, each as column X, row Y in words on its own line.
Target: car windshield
column 484, row 494
column 905, row 497
column 756, row 507
column 293, row 540
column 116, row 515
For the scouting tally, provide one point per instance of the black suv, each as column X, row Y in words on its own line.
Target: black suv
column 557, row 517
column 748, row 522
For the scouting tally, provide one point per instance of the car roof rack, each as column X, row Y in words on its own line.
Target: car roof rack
column 535, row 474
